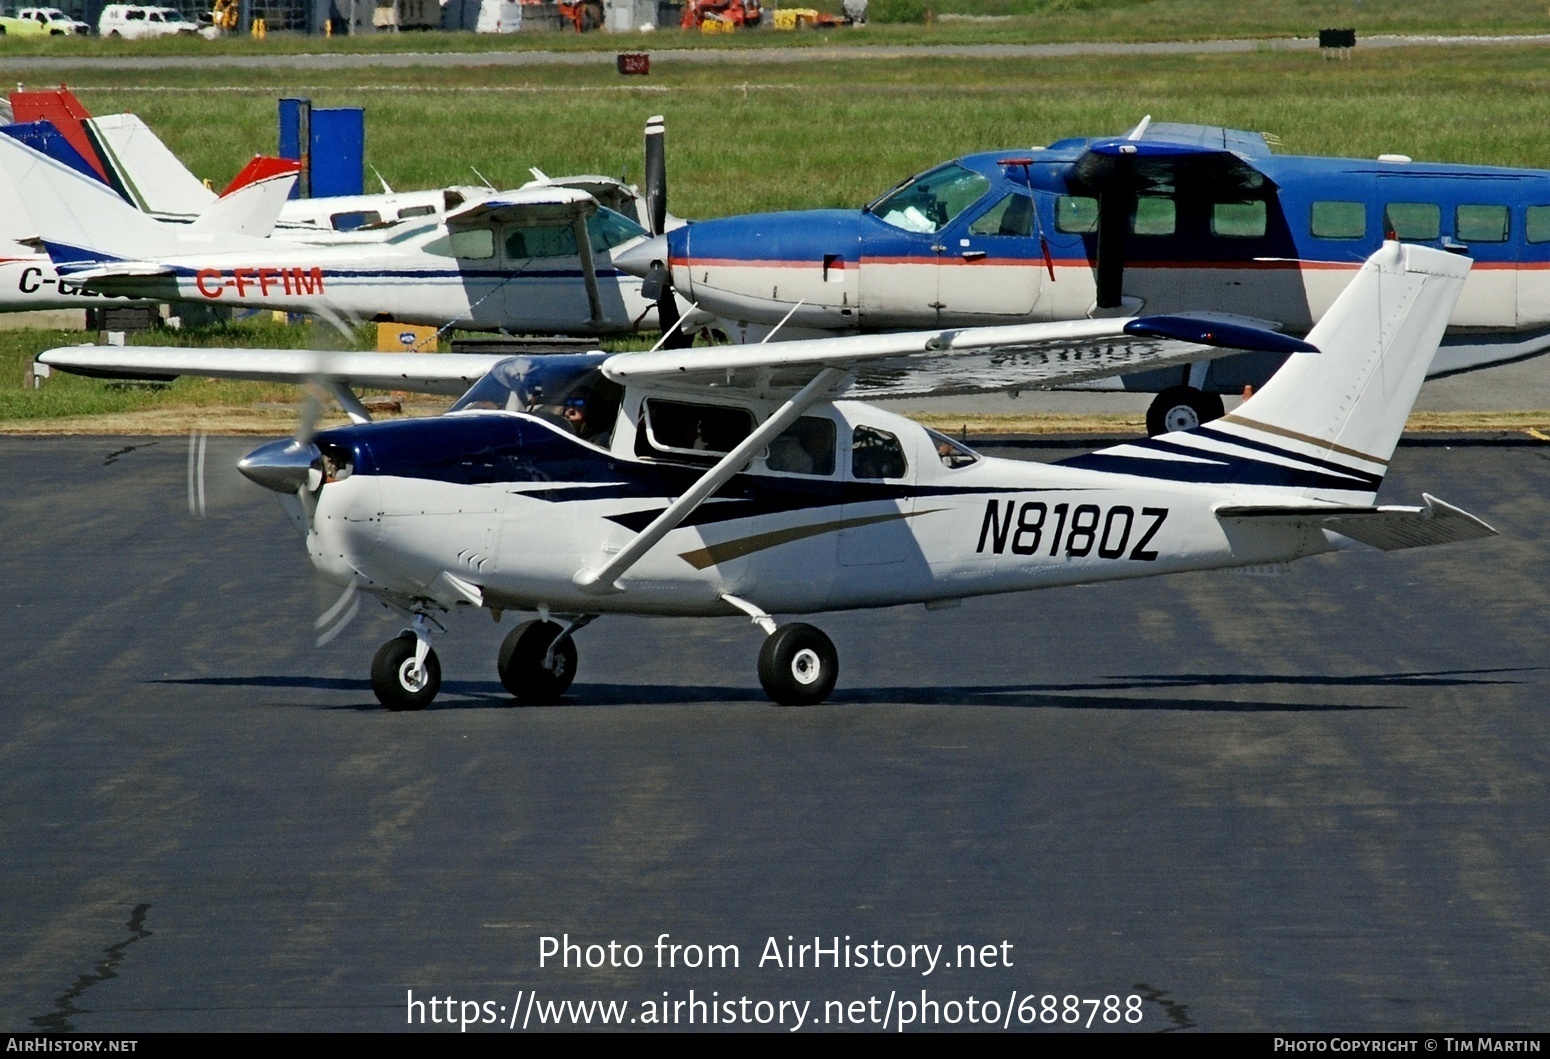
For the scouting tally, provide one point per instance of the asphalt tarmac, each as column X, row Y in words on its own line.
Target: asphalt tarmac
column 1308, row 802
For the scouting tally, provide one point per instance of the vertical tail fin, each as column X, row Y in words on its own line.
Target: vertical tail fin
column 1376, row 343
column 148, row 174
column 1325, row 425
column 81, row 222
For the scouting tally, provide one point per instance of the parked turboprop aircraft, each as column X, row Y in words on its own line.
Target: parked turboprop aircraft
column 731, row 480
column 532, row 260
column 1167, row 217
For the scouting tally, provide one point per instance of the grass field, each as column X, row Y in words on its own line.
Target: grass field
column 750, row 136
column 893, row 22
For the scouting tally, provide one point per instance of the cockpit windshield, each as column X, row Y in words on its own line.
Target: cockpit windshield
column 566, row 389
column 929, row 202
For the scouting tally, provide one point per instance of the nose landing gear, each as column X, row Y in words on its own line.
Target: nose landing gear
column 406, row 674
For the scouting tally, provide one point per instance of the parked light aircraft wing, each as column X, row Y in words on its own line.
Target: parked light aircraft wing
column 958, row 361
column 527, row 205
column 921, row 362
column 449, row 374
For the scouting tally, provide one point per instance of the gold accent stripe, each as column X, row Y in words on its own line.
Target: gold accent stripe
column 1328, row 446
column 713, row 554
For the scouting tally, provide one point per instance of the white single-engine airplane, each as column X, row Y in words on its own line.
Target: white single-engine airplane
column 732, row 480
column 532, row 260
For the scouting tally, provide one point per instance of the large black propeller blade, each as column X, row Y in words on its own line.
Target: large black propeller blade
column 659, row 284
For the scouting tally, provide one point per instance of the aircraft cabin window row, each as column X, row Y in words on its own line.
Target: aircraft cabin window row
column 1156, row 215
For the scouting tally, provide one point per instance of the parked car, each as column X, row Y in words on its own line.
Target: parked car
column 54, row 21
column 20, row 27
column 132, row 21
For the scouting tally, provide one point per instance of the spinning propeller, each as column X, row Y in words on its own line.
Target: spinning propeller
column 296, row 466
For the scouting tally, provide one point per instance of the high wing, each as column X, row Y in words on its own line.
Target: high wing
column 449, row 374
column 958, row 361
column 531, row 205
column 1031, row 355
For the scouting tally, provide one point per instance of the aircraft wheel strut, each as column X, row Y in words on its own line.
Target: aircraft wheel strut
column 798, row 665
column 521, row 662
column 1182, row 408
column 395, row 679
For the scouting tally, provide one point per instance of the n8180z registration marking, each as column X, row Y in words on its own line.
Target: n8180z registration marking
column 1034, row 527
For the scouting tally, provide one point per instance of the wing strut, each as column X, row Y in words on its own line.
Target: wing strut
column 604, row 578
column 588, row 269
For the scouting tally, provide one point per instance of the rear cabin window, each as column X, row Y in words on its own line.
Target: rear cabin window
column 1076, row 215
column 1155, row 215
column 876, row 454
column 1413, row 221
column 1537, row 228
column 1238, row 220
column 805, row 447
column 1013, row 215
column 1480, row 224
column 349, row 222
column 1338, row 220
column 692, row 433
column 415, row 211
column 469, row 244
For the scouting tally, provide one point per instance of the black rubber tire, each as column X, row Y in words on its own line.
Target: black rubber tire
column 388, row 675
column 521, row 663
column 1182, row 408
column 798, row 665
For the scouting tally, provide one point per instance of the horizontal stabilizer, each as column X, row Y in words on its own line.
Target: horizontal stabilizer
column 1222, row 331
column 1387, row 528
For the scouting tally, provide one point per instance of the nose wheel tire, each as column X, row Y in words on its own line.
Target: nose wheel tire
column 1182, row 408
column 521, row 662
column 798, row 665
column 398, row 683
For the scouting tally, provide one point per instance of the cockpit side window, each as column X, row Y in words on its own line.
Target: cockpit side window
column 608, row 229
column 952, row 454
column 1013, row 215
column 931, row 201
column 547, row 241
column 876, row 454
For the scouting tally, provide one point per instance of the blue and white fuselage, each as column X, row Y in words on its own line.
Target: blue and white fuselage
column 1171, row 218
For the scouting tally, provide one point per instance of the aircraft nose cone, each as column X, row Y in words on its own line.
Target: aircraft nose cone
column 283, row 466
column 636, row 260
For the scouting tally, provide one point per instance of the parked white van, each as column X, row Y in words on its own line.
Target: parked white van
column 132, row 21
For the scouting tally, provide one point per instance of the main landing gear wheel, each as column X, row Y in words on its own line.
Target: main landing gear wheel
column 798, row 665
column 394, row 679
column 1182, row 408
column 521, row 662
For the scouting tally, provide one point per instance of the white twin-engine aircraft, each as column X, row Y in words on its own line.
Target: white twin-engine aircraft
column 730, row 480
